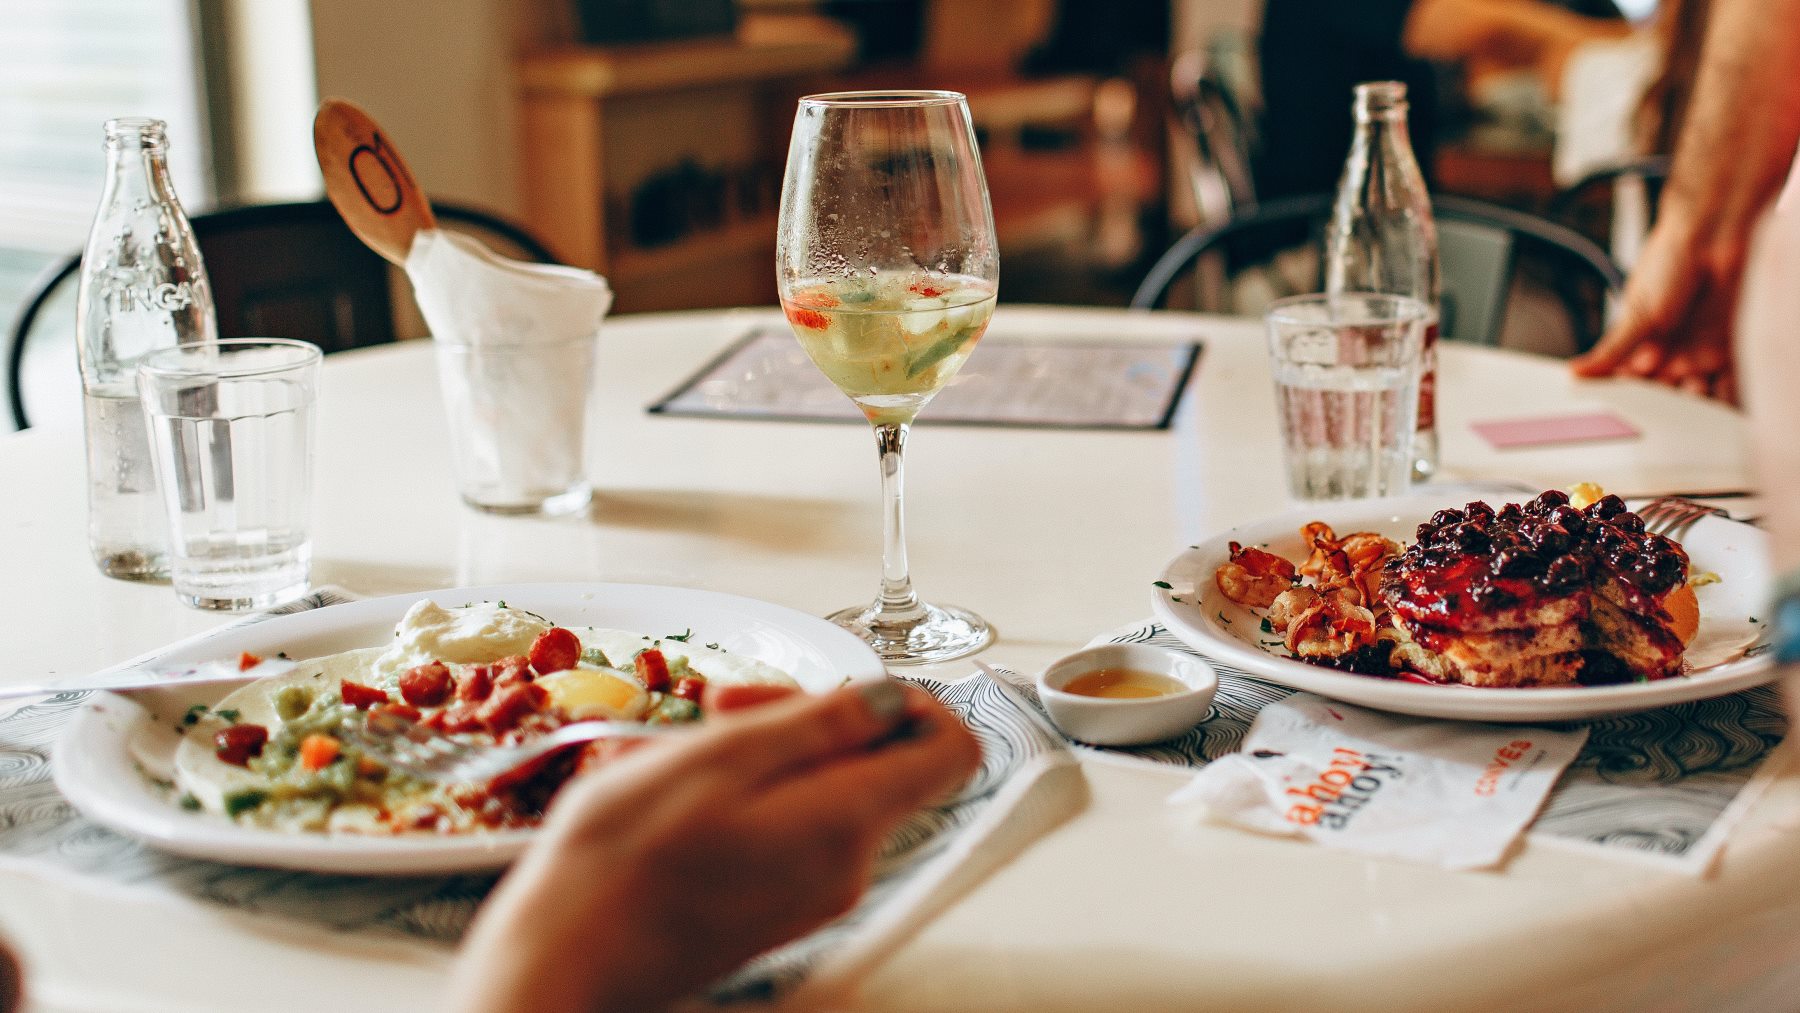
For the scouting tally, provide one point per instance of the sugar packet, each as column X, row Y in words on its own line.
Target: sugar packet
column 1452, row 794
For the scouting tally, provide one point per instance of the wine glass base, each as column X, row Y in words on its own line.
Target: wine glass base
column 934, row 633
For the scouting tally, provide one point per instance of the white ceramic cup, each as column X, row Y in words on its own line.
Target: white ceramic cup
column 1130, row 722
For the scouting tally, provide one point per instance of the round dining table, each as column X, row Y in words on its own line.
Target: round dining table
column 1054, row 535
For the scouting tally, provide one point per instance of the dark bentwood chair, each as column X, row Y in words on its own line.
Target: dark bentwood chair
column 293, row 270
column 1478, row 249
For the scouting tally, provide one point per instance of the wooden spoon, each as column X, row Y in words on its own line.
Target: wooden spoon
column 368, row 181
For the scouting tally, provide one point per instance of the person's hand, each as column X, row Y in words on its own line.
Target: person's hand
column 1680, row 302
column 11, row 990
column 670, row 866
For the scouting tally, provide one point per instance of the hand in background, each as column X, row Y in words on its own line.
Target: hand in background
column 673, row 865
column 1680, row 304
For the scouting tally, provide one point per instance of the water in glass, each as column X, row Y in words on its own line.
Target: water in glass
column 234, row 457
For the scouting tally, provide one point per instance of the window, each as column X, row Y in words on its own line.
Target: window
column 70, row 66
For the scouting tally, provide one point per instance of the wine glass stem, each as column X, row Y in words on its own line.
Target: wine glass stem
column 897, row 598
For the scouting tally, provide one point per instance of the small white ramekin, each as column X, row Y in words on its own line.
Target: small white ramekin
column 1132, row 722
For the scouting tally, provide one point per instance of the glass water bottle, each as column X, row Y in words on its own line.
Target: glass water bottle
column 143, row 288
column 1382, row 237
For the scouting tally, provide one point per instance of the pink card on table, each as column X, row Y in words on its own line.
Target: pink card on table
column 1545, row 430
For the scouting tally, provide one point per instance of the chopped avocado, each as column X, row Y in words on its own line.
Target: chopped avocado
column 672, row 710
column 596, row 657
column 292, row 702
column 243, row 801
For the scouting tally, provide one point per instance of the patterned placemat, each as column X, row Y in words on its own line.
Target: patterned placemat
column 37, row 826
column 1663, row 785
column 1056, row 384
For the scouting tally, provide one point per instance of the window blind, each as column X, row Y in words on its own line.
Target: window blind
column 69, row 66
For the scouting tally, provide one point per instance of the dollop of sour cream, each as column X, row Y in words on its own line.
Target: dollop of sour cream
column 474, row 634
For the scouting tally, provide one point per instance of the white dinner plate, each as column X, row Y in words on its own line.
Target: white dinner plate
column 108, row 760
column 1207, row 621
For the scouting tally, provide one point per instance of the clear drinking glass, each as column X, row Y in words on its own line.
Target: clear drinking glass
column 887, row 267
column 518, row 423
column 231, row 435
column 1347, row 386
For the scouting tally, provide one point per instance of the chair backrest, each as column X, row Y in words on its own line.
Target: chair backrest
column 293, row 270
column 1614, row 205
column 1478, row 247
column 1219, row 128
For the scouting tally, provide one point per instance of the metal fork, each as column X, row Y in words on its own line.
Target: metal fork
column 1672, row 516
column 430, row 755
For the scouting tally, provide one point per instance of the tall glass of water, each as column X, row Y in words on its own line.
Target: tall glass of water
column 231, row 436
column 886, row 262
column 1347, row 386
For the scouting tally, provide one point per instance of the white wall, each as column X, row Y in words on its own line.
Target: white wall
column 437, row 75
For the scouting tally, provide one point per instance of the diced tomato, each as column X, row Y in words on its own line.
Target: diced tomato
column 511, row 704
column 555, row 650
column 399, row 710
column 426, row 685
column 810, row 319
column 459, row 717
column 652, row 670
column 926, row 289
column 690, row 687
column 247, row 661
column 511, row 669
column 238, row 743
column 318, row 750
column 362, row 697
column 475, row 684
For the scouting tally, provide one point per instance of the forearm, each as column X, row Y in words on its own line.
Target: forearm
column 1502, row 31
column 1744, row 121
column 1771, row 374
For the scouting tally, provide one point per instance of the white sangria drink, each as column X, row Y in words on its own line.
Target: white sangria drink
column 893, row 340
column 885, row 260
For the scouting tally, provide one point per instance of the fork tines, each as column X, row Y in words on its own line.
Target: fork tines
column 1672, row 517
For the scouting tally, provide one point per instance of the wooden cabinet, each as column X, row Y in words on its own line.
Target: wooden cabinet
column 660, row 165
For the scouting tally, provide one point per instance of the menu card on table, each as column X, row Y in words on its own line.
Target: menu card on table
column 1024, row 382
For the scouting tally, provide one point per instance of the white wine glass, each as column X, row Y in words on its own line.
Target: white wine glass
column 886, row 264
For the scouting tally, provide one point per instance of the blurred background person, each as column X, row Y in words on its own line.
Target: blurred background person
column 1312, row 52
column 1737, row 139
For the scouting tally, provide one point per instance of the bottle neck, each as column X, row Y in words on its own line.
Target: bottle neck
column 137, row 172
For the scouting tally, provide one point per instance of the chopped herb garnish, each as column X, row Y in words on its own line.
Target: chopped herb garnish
column 714, row 647
column 1165, row 585
column 1177, row 599
column 190, row 803
column 595, row 656
column 1268, row 627
column 1755, row 620
column 282, row 655
column 682, row 638
column 192, row 717
column 228, row 714
column 1223, row 619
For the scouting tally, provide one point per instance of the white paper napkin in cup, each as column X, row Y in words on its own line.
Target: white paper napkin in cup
column 523, row 404
column 1453, row 794
column 469, row 294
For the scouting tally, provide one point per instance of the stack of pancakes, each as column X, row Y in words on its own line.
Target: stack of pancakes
column 1539, row 595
